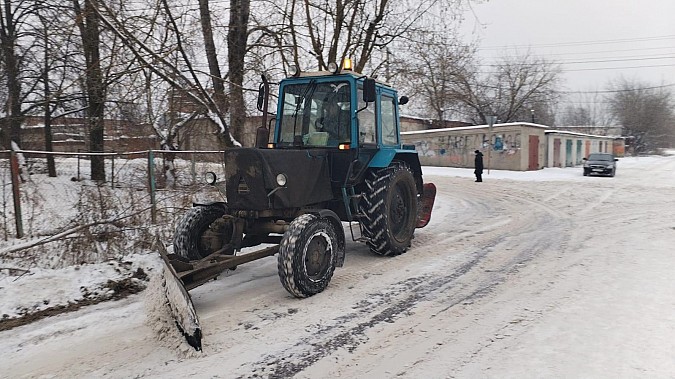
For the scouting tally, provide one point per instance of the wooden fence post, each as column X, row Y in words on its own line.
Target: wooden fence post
column 112, row 173
column 193, row 168
column 14, row 171
column 151, row 185
column 78, row 165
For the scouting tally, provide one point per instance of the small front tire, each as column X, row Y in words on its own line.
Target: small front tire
column 199, row 233
column 307, row 255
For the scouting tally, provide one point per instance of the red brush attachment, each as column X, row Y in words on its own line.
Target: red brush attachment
column 426, row 205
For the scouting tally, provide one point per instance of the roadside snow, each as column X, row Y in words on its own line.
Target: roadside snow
column 37, row 289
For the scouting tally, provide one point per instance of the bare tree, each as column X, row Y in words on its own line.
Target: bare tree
column 584, row 108
column 237, row 47
column 88, row 23
column 576, row 115
column 51, row 164
column 645, row 112
column 173, row 65
column 30, row 53
column 14, row 21
column 514, row 89
column 211, row 55
column 314, row 33
column 440, row 62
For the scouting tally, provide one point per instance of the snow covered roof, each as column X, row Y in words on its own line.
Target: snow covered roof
column 475, row 127
column 565, row 132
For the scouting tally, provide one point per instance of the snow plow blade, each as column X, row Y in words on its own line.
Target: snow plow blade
column 426, row 205
column 179, row 302
column 181, row 275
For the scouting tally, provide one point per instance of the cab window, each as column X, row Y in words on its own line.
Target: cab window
column 389, row 135
column 366, row 117
column 315, row 114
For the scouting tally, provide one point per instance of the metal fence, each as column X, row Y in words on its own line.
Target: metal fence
column 152, row 179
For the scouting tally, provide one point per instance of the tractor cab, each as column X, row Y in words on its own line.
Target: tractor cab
column 336, row 109
column 346, row 120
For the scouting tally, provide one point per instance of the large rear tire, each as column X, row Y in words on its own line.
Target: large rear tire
column 389, row 206
column 307, row 255
column 201, row 232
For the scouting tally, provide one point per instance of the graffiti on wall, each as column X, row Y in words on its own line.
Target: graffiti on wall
column 508, row 144
column 458, row 149
column 424, row 149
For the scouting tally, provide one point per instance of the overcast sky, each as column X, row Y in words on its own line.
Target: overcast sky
column 591, row 37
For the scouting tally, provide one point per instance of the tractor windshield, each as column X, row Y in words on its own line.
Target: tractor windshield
column 315, row 114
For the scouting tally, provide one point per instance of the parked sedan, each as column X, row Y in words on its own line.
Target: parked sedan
column 600, row 164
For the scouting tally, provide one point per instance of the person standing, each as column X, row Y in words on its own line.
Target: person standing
column 478, row 164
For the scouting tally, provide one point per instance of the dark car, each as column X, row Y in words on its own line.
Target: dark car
column 600, row 164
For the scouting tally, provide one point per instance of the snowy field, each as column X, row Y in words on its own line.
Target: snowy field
column 539, row 274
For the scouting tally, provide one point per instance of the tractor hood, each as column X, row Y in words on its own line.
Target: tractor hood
column 259, row 179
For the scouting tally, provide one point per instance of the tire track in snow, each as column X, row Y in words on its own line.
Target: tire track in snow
column 399, row 299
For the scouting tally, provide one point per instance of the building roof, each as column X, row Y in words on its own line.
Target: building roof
column 565, row 132
column 474, row 127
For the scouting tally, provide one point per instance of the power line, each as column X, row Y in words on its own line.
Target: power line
column 621, row 59
column 584, row 43
column 617, row 68
column 602, row 51
column 620, row 90
column 598, row 68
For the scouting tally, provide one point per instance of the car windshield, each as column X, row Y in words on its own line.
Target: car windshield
column 315, row 114
column 600, row 157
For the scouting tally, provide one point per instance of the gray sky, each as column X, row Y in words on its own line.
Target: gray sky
column 611, row 33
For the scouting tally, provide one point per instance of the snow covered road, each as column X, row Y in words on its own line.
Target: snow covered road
column 528, row 274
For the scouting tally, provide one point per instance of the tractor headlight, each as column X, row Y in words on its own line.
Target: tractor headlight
column 333, row 67
column 281, row 180
column 210, row 178
column 294, row 71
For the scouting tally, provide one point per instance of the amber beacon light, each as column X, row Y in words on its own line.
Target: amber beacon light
column 347, row 64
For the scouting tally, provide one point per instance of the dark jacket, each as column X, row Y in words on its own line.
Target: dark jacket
column 478, row 163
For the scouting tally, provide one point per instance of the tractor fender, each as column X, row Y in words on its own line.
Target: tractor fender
column 210, row 203
column 384, row 157
column 339, row 231
column 413, row 162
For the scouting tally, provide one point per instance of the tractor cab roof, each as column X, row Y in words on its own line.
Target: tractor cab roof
column 333, row 71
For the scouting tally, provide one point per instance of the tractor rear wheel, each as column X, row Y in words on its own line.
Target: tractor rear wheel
column 201, row 232
column 307, row 255
column 389, row 207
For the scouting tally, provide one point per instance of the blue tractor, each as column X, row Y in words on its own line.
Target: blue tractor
column 331, row 154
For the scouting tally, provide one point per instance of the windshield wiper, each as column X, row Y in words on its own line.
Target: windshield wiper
column 307, row 93
column 309, row 90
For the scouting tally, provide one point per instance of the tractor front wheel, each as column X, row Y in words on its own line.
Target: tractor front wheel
column 389, row 208
column 307, row 255
column 201, row 232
